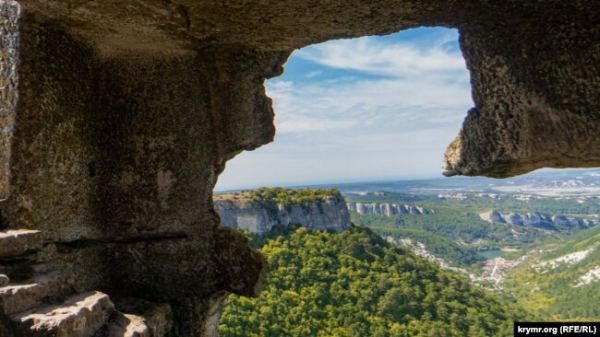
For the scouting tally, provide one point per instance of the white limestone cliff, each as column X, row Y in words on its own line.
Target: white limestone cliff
column 386, row 208
column 329, row 214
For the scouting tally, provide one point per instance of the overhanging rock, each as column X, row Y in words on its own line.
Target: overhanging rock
column 118, row 116
column 535, row 87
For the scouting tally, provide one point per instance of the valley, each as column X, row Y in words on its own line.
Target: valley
column 528, row 256
column 539, row 249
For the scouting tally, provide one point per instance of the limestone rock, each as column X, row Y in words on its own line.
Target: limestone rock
column 10, row 13
column 515, row 219
column 125, row 325
column 4, row 280
column 493, row 217
column 78, row 316
column 18, row 242
column 143, row 317
column 242, row 270
column 245, row 214
column 527, row 96
column 532, row 219
column 386, row 209
column 331, row 214
column 25, row 295
column 536, row 219
column 413, row 210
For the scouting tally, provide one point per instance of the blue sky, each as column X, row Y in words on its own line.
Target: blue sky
column 373, row 108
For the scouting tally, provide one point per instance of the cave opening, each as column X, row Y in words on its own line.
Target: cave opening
column 366, row 109
column 382, row 109
column 370, row 108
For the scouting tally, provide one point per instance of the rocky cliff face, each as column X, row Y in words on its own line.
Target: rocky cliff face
column 536, row 219
column 386, row 209
column 330, row 214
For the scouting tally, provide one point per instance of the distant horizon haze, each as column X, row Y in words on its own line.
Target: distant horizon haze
column 296, row 184
column 395, row 179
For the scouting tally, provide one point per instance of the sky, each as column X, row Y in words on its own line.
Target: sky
column 366, row 109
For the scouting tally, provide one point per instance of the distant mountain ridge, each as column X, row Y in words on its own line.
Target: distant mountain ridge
column 260, row 210
column 386, row 209
column 536, row 219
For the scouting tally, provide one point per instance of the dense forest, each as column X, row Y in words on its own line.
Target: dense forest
column 356, row 284
column 272, row 197
column 286, row 196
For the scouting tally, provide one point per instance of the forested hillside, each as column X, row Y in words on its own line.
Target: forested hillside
column 438, row 246
column 561, row 280
column 356, row 284
column 455, row 229
column 454, row 225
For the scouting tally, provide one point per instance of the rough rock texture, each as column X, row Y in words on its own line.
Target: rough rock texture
column 331, row 214
column 122, row 325
column 39, row 300
column 18, row 242
column 116, row 118
column 79, row 316
column 10, row 13
column 245, row 214
column 386, row 209
column 21, row 296
column 116, row 151
column 4, row 280
column 154, row 319
column 497, row 217
column 535, row 77
column 536, row 219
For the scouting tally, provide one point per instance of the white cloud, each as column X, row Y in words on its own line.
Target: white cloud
column 367, row 104
column 314, row 73
column 392, row 116
column 408, row 60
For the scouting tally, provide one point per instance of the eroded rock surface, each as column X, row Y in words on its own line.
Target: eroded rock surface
column 386, row 208
column 118, row 116
column 329, row 214
column 19, row 242
column 540, row 220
